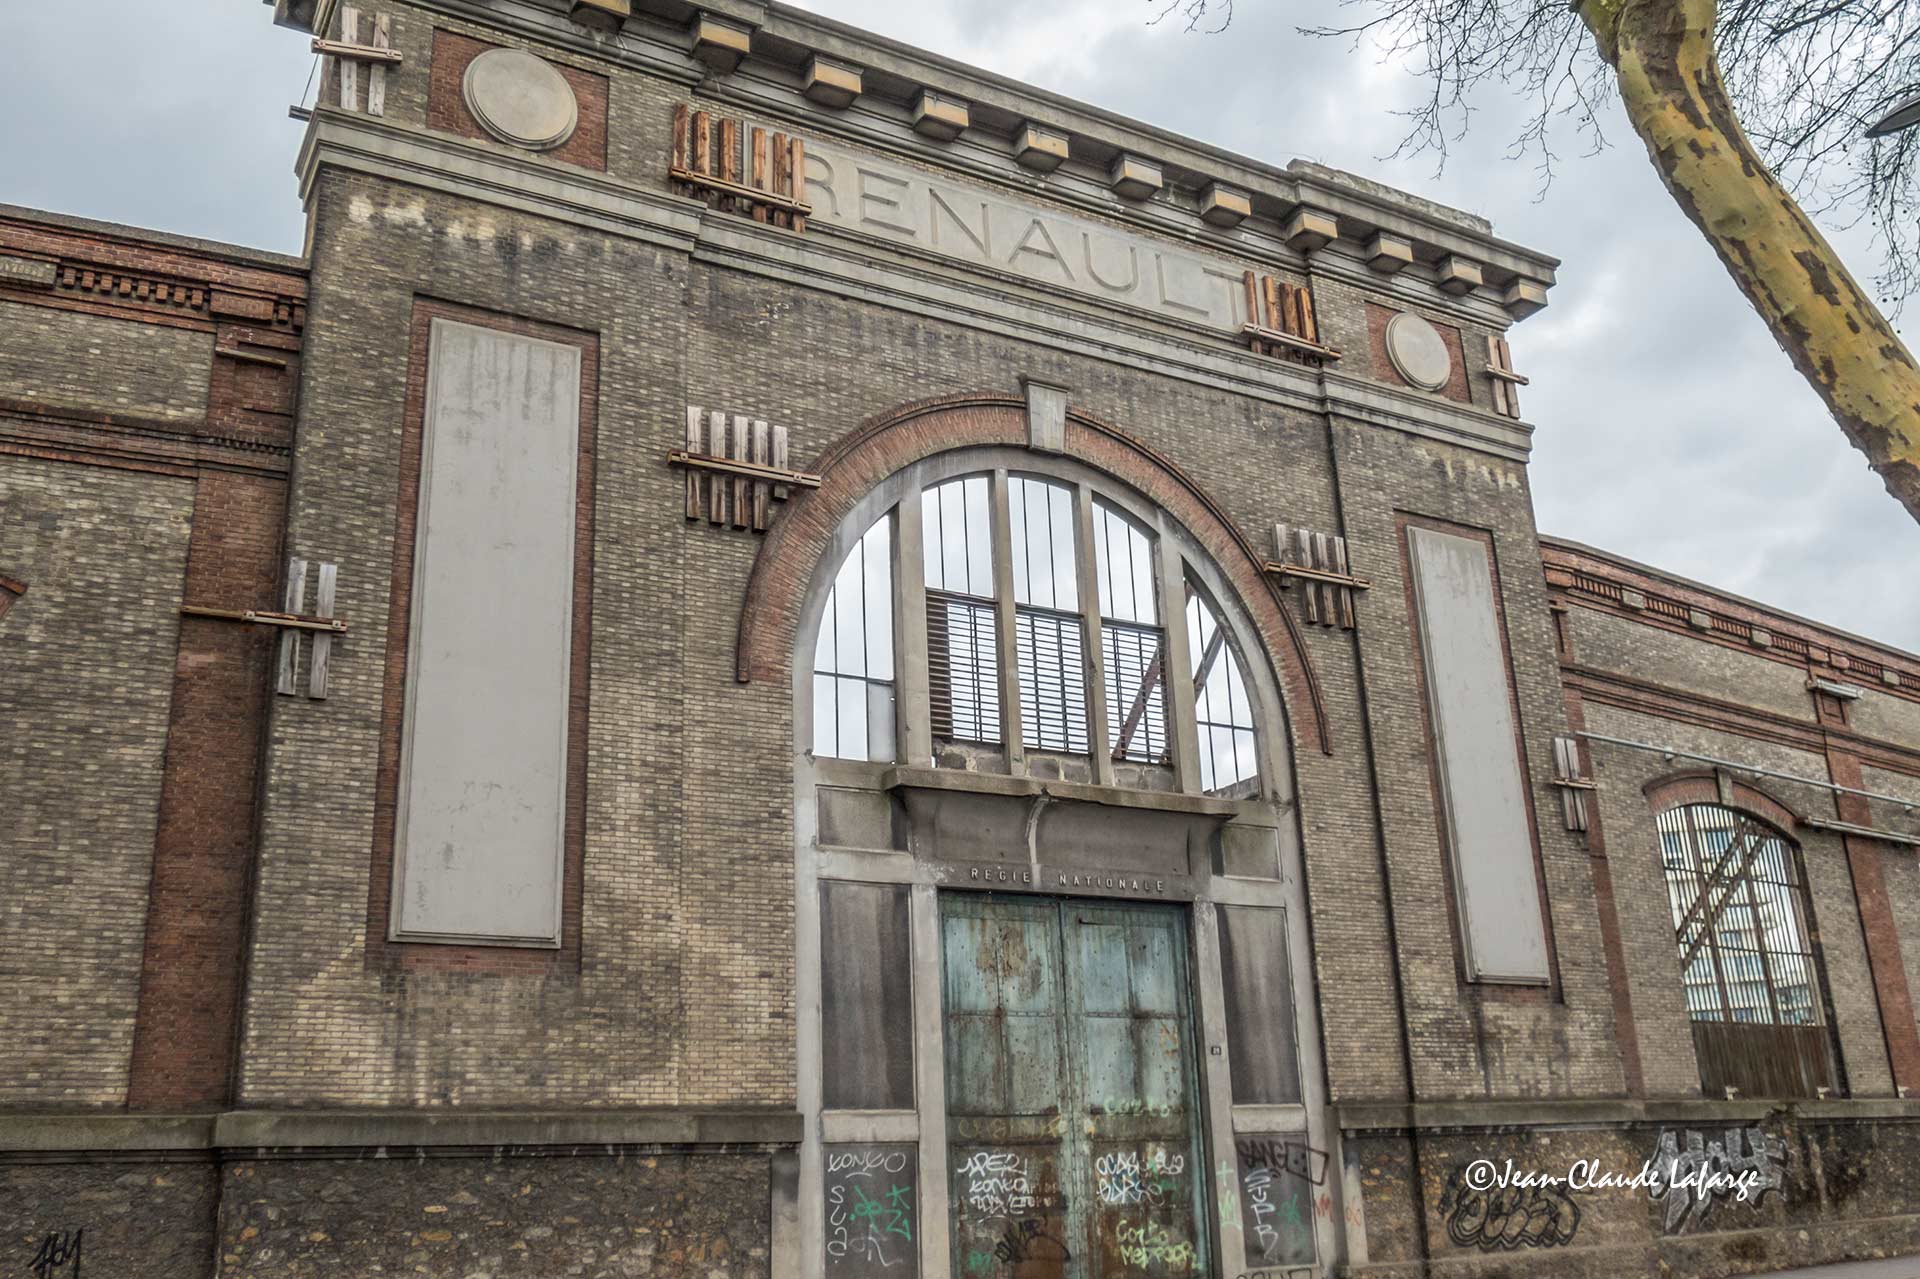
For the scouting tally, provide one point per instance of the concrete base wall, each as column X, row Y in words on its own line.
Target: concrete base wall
column 605, row 1209
column 1823, row 1189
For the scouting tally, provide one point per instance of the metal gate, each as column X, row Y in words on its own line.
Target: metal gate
column 1073, row 1129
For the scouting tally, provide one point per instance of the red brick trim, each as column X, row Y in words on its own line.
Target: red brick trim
column 447, row 104
column 899, row 437
column 1626, row 1031
column 1877, row 926
column 1702, row 786
column 386, row 955
column 11, row 589
column 1499, row 990
column 1585, row 578
column 1458, row 387
column 199, row 902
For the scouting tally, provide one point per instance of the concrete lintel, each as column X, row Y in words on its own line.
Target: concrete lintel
column 719, row 43
column 105, row 1132
column 938, row 116
column 1039, row 148
column 367, row 1129
column 954, row 779
column 830, row 83
column 1395, row 1117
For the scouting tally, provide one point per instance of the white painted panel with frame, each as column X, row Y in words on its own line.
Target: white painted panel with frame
column 1483, row 792
column 479, row 845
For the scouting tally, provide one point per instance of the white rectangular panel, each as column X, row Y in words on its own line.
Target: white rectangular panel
column 1483, row 792
column 480, row 837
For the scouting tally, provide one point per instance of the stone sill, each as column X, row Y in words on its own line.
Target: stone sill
column 955, row 779
column 1400, row 1118
column 241, row 1132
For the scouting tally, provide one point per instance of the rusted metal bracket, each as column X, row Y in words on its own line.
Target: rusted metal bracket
column 752, row 470
column 356, row 52
column 1255, row 334
column 263, row 617
column 736, row 468
column 1570, row 775
column 1319, row 562
column 724, row 187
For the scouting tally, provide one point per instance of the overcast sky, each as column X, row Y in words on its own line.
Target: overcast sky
column 1670, row 428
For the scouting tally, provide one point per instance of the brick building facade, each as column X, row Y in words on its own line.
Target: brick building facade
column 776, row 656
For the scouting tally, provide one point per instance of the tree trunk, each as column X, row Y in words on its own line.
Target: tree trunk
column 1663, row 52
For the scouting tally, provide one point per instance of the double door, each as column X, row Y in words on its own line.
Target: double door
column 1073, row 1116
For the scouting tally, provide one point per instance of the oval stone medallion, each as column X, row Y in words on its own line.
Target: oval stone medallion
column 1418, row 352
column 520, row 99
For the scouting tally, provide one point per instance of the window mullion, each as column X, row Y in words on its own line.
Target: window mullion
column 1092, row 648
column 1007, row 630
column 1177, row 666
column 913, row 705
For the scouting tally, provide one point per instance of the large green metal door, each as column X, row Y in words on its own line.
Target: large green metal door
column 1073, row 1111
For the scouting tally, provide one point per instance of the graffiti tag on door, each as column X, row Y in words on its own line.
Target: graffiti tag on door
column 870, row 1211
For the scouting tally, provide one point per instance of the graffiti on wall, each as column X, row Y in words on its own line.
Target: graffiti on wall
column 58, row 1256
column 1503, row 1217
column 1277, row 1176
column 870, row 1197
column 1695, row 1171
column 1128, row 1178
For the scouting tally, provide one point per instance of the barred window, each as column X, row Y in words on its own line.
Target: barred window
column 1221, row 706
column 963, row 664
column 1740, row 917
column 853, row 713
column 1048, row 627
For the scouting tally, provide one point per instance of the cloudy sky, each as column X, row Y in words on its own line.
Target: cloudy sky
column 1670, row 428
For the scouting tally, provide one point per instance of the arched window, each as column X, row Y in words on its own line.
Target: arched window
column 853, row 713
column 1221, row 705
column 1045, row 601
column 1742, row 920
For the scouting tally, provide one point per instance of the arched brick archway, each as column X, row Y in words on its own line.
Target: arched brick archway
column 1702, row 786
column 891, row 441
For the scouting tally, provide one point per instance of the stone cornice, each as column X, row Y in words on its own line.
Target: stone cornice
column 857, row 266
column 784, row 42
column 1597, row 579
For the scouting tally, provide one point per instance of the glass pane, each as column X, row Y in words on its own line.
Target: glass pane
column 880, row 738
column 1040, row 517
column 826, row 717
column 1222, row 708
column 853, row 719
column 855, row 644
column 877, row 588
column 1124, row 555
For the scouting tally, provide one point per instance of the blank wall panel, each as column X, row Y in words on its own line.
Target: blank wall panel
column 481, row 823
column 1257, row 982
column 866, row 987
column 1483, row 792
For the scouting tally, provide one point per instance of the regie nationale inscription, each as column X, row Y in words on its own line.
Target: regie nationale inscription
column 865, row 194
